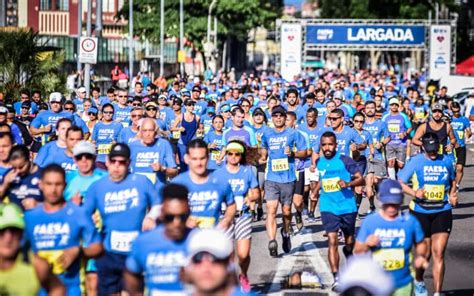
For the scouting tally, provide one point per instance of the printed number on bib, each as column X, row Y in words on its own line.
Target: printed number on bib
column 104, row 148
column 440, row 149
column 176, row 135
column 434, row 192
column 121, row 241
column 394, row 128
column 460, row 134
column 419, row 115
column 331, row 184
column 215, row 155
column 390, row 259
column 52, row 256
column 280, row 165
column 205, row 222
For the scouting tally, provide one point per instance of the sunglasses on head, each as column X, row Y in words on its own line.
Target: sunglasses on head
column 199, row 257
column 23, row 107
column 86, row 155
column 170, row 218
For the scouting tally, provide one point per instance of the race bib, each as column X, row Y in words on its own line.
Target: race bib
column 104, row 148
column 121, row 241
column 280, row 164
column 215, row 155
column 239, row 202
column 390, row 259
column 52, row 256
column 205, row 222
column 440, row 149
column 124, row 123
column 150, row 176
column 331, row 184
column 460, row 134
column 434, row 192
column 394, row 128
column 176, row 135
column 419, row 115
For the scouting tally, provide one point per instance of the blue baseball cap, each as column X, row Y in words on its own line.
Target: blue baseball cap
column 390, row 192
column 225, row 108
column 93, row 110
column 210, row 110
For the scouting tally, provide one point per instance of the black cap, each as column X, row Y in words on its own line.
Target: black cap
column 178, row 101
column 120, row 149
column 279, row 109
column 430, row 142
column 189, row 102
column 26, row 104
column 258, row 111
column 196, row 88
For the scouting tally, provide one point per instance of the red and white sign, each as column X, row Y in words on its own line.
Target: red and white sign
column 88, row 50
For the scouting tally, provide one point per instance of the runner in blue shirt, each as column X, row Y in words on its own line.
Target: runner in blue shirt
column 207, row 191
column 243, row 182
column 123, row 200
column 61, row 232
column 293, row 105
column 157, row 256
column 337, row 175
column 64, row 158
column 152, row 156
column 128, row 134
column 320, row 103
column 6, row 144
column 434, row 194
column 277, row 146
column 348, row 140
column 56, row 147
column 213, row 139
column 259, row 126
column 121, row 109
column 462, row 131
column 390, row 236
column 20, row 182
column 106, row 133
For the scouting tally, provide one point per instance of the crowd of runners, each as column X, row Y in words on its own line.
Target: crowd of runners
column 155, row 190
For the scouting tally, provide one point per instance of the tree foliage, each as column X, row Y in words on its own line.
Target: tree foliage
column 25, row 62
column 235, row 18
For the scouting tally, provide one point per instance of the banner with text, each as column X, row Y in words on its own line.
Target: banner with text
column 440, row 51
column 404, row 35
column 290, row 50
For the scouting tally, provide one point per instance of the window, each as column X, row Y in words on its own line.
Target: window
column 62, row 5
column 108, row 5
column 46, row 4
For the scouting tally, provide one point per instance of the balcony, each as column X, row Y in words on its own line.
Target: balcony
column 54, row 22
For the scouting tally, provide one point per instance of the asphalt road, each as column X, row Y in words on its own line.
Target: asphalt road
column 309, row 252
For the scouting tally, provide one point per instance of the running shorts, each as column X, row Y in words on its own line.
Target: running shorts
column 378, row 168
column 461, row 155
column 310, row 177
column 435, row 222
column 282, row 192
column 110, row 267
column 334, row 223
column 241, row 229
column 299, row 186
column 398, row 152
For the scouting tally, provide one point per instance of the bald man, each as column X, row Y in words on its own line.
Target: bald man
column 152, row 156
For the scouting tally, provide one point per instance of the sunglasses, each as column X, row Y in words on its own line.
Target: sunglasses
column 170, row 218
column 86, row 155
column 234, row 154
column 136, row 104
column 116, row 161
column 151, row 109
column 91, row 114
column 122, row 96
column 334, row 118
column 29, row 108
column 190, row 104
column 246, row 106
column 199, row 257
column 136, row 116
column 108, row 112
column 69, row 109
column 358, row 121
column 437, row 111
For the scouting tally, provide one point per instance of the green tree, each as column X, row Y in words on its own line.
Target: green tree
column 25, row 62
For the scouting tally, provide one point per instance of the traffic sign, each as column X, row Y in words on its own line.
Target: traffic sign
column 88, row 50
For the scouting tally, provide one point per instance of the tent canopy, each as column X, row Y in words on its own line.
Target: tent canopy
column 466, row 67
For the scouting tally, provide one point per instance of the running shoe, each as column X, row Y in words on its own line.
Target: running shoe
column 299, row 221
column 286, row 241
column 420, row 289
column 335, row 285
column 310, row 217
column 244, row 284
column 273, row 248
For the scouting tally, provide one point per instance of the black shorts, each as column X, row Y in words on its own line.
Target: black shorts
column 110, row 269
column 334, row 223
column 35, row 146
column 436, row 222
column 299, row 187
column 461, row 155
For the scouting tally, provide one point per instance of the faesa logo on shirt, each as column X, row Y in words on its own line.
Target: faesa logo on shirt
column 47, row 234
column 166, row 259
column 387, row 236
column 69, row 166
column 117, row 201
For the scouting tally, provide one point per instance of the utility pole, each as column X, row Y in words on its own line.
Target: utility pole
column 98, row 18
column 87, row 67
column 162, row 36
column 79, row 33
column 181, row 36
column 130, row 42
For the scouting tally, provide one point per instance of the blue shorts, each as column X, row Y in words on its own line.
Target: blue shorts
column 334, row 223
column 362, row 165
column 110, row 269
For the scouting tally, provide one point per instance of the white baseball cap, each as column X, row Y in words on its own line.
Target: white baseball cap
column 55, row 97
column 363, row 271
column 212, row 241
column 84, row 147
column 81, row 89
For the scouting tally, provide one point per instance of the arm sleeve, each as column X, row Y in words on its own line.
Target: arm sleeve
column 363, row 233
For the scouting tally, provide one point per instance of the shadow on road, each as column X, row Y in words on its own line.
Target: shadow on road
column 466, row 292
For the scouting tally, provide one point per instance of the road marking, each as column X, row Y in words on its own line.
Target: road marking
column 303, row 244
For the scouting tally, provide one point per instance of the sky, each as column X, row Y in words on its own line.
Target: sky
column 296, row 3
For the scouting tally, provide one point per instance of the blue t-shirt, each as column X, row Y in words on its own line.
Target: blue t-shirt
column 48, row 151
column 333, row 199
column 435, row 177
column 322, row 110
column 397, row 124
column 165, row 114
column 302, row 139
column 200, row 108
column 215, row 153
column 280, row 167
column 24, row 187
column 240, row 182
column 33, row 108
column 52, row 233
column 205, row 199
column 143, row 156
column 459, row 127
column 259, row 134
column 367, row 138
column 78, row 183
column 122, row 207
column 66, row 162
column 78, row 121
column 104, row 135
column 127, row 135
column 49, row 117
column 397, row 239
column 160, row 260
column 344, row 139
column 244, row 134
column 313, row 135
column 378, row 130
column 122, row 115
